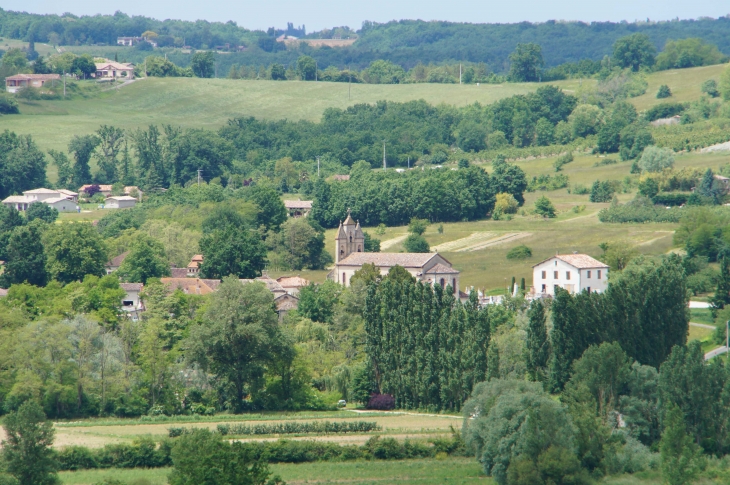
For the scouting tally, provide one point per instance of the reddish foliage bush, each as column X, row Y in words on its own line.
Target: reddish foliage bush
column 382, row 402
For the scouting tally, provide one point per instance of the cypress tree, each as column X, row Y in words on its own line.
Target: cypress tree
column 537, row 347
column 492, row 362
column 722, row 293
column 562, row 345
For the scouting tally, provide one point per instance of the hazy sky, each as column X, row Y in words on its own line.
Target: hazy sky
column 318, row 14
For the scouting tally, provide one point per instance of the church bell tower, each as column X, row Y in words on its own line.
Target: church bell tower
column 350, row 239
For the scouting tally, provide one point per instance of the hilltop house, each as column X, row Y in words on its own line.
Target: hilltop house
column 572, row 272
column 106, row 190
column 17, row 82
column 113, row 264
column 194, row 266
column 298, row 208
column 350, row 256
column 61, row 200
column 114, row 70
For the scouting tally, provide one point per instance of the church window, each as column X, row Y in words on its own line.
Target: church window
column 350, row 237
column 443, row 283
column 453, row 285
column 343, row 278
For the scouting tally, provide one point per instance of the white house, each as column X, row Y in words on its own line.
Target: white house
column 572, row 272
column 132, row 304
column 62, row 200
column 120, row 202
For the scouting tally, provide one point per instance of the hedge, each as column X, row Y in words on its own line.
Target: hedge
column 670, row 198
column 145, row 454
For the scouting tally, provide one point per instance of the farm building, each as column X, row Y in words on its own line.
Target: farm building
column 571, row 272
column 62, row 204
column 19, row 81
column 120, row 202
column 62, row 200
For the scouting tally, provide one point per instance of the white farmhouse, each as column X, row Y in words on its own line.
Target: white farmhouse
column 63, row 200
column 572, row 272
column 119, row 202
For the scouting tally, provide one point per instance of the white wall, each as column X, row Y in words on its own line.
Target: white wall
column 575, row 283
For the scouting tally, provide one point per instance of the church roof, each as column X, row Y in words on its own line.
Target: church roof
column 341, row 234
column 407, row 260
column 348, row 221
column 442, row 269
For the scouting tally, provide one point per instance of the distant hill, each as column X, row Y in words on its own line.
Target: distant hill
column 405, row 42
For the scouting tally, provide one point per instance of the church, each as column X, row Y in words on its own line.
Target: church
column 350, row 256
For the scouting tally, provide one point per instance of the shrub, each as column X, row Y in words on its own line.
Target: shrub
column 664, row 92
column 580, row 189
column 602, row 191
column 417, row 226
column 709, row 87
column 382, row 402
column 670, row 198
column 506, row 203
column 416, row 244
column 544, row 207
column 664, row 110
column 8, row 106
column 519, row 252
column 605, row 161
column 655, row 159
column 640, row 209
column 76, row 458
column 562, row 160
column 547, row 182
column 325, row 427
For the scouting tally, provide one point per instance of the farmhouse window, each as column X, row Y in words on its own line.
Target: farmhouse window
column 544, row 274
column 588, row 275
column 567, row 275
column 599, row 274
column 555, row 275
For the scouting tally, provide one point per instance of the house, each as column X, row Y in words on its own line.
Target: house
column 114, row 70
column 194, row 266
column 189, row 286
column 106, row 190
column 341, row 178
column 271, row 284
column 114, row 264
column 292, row 284
column 120, row 202
column 131, row 41
column 132, row 303
column 73, row 196
column 285, row 304
column 725, row 181
column 55, row 198
column 13, row 84
column 572, row 272
column 298, row 208
column 350, row 256
column 179, row 272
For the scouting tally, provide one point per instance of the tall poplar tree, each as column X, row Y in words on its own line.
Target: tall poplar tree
column 537, row 348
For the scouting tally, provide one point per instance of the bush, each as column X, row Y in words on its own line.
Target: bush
column 670, row 198
column 664, row 110
column 416, row 244
column 382, row 402
column 605, row 161
column 602, row 191
column 544, row 207
column 325, row 427
column 547, row 182
column 709, row 87
column 519, row 252
column 580, row 189
column 655, row 159
column 8, row 106
column 664, row 92
column 640, row 209
column 562, row 160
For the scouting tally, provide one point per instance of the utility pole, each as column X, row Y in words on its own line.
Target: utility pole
column 317, row 167
column 384, row 166
column 199, row 170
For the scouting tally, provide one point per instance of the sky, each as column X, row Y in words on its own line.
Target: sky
column 319, row 14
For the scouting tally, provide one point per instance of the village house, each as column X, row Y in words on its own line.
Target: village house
column 115, row 263
column 114, row 70
column 298, row 208
column 194, row 265
column 572, row 272
column 119, row 202
column 132, row 303
column 15, row 83
column 131, row 41
column 106, row 190
column 61, row 200
column 292, row 284
column 350, row 256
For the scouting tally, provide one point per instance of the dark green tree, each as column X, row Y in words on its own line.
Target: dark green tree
column 25, row 257
column 44, row 212
column 205, row 458
column 27, row 450
column 203, row 64
column 82, row 147
column 634, row 51
column 146, row 259
column 722, row 292
column 232, row 251
column 22, row 164
column 526, row 63
column 561, row 339
column 83, row 65
column 110, row 145
column 537, row 347
column 317, row 302
column 272, row 212
column 277, row 72
column 508, row 178
column 544, row 208
column 664, row 92
column 74, row 251
column 10, row 218
column 416, row 244
column 63, row 168
column 307, row 68
column 235, row 342
column 680, row 456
